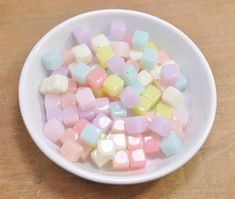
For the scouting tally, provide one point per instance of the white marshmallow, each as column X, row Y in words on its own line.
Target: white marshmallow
column 172, row 96
column 156, row 72
column 98, row 160
column 55, row 84
column 82, row 53
column 144, row 77
column 99, row 41
column 106, row 148
column 135, row 55
column 119, row 141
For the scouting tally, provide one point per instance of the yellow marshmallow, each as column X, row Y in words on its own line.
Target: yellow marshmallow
column 99, row 93
column 151, row 45
column 152, row 93
column 143, row 106
column 113, row 85
column 103, row 55
column 164, row 110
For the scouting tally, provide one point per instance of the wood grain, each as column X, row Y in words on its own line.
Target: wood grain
column 26, row 173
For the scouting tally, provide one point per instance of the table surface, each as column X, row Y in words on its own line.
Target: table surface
column 26, row 173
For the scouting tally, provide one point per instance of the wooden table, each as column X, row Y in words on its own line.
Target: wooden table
column 26, row 173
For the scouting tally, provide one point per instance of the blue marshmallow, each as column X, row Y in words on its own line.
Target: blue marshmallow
column 149, row 58
column 52, row 60
column 79, row 72
column 171, row 145
column 140, row 39
column 138, row 87
column 129, row 75
column 90, row 134
column 181, row 82
column 118, row 109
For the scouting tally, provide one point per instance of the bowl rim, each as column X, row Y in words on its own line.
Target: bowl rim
column 100, row 177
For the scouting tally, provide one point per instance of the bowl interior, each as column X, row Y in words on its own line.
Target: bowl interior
column 200, row 93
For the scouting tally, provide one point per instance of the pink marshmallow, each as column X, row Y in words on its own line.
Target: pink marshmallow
column 102, row 105
column 118, row 125
column 103, row 122
column 85, row 98
column 134, row 141
column 82, row 34
column 121, row 160
column 54, row 113
column 79, row 126
column 68, row 99
column 161, row 126
column 120, row 48
column 117, row 30
column 169, row 74
column 71, row 150
column 70, row 115
column 70, row 134
column 137, row 159
column 151, row 143
column 54, row 130
column 52, row 101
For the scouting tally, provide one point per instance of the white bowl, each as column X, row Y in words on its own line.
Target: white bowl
column 200, row 93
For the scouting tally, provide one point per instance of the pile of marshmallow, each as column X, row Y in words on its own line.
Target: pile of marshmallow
column 113, row 99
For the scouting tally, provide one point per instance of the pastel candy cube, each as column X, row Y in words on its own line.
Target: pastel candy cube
column 134, row 141
column 129, row 97
column 135, row 55
column 128, row 39
column 164, row 110
column 149, row 58
column 88, row 114
column 133, row 63
column 53, row 130
column 68, row 57
column 103, row 122
column 117, row 30
column 96, row 78
column 79, row 72
column 155, row 72
column 99, row 92
column 172, row 96
column 70, row 115
column 181, row 82
column 117, row 109
column 102, row 105
column 80, row 125
column 143, row 106
column 82, row 34
column 140, row 39
column 162, row 57
column 129, row 75
column 113, row 85
column 54, row 113
column 120, row 48
column 121, row 160
column 52, row 101
column 149, row 117
column 103, row 55
column 61, row 70
column 70, row 134
column 72, row 86
column 169, row 74
column 90, row 135
column 99, row 41
column 151, row 143
column 171, row 145
column 86, row 151
column 181, row 115
column 161, row 126
column 144, row 77
column 138, row 87
column 82, row 54
column 52, row 60
column 85, row 98
column 98, row 160
column 119, row 141
column 177, row 128
column 71, row 150
column 106, row 148
column 151, row 45
column 117, row 65
column 55, row 84
column 68, row 99
column 152, row 93
column 135, row 125
column 118, row 125
column 137, row 159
